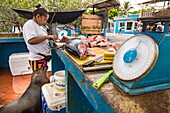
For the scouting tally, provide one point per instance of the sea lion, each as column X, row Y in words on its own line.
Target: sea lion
column 30, row 101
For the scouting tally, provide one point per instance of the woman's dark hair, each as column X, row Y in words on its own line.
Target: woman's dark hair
column 40, row 11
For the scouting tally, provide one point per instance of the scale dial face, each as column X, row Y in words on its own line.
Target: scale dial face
column 135, row 58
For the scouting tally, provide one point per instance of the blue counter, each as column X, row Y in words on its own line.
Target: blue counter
column 9, row 46
column 83, row 98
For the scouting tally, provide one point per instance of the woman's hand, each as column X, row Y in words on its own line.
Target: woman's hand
column 51, row 37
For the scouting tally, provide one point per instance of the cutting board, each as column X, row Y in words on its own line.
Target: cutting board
column 97, row 50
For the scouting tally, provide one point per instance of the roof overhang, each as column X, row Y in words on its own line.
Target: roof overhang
column 106, row 4
column 152, row 1
column 127, row 19
column 147, row 19
column 63, row 17
column 155, row 19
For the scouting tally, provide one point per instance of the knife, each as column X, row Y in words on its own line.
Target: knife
column 97, row 68
column 92, row 61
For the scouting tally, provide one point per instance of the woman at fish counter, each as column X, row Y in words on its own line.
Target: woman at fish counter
column 36, row 38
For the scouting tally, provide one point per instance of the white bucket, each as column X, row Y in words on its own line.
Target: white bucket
column 59, row 79
column 60, row 76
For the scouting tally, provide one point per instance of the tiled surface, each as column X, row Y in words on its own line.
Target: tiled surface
column 12, row 87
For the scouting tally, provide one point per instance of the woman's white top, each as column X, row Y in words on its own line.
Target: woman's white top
column 32, row 30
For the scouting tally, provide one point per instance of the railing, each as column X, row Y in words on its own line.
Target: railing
column 162, row 12
column 148, row 14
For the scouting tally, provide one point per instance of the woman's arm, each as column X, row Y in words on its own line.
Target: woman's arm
column 40, row 39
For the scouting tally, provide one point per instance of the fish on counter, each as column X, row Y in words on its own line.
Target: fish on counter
column 79, row 46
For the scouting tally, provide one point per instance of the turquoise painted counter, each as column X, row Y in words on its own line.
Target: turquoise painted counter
column 83, row 98
column 9, row 46
column 11, row 40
